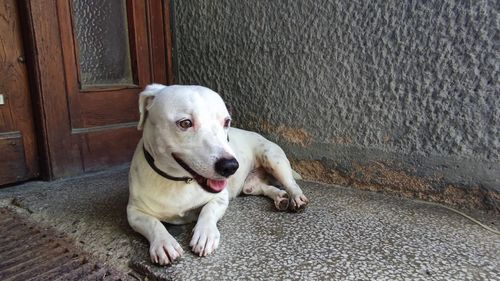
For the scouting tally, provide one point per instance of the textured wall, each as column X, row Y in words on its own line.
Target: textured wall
column 395, row 95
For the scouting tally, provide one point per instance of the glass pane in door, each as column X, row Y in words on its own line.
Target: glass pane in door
column 101, row 33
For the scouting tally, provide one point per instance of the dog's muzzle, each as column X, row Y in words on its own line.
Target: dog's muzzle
column 224, row 167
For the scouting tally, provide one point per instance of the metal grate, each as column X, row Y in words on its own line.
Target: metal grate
column 28, row 252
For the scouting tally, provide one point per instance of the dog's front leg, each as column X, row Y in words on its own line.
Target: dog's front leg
column 206, row 236
column 163, row 248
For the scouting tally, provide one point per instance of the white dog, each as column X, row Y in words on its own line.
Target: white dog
column 189, row 163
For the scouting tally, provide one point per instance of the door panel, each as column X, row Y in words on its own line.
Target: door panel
column 90, row 117
column 13, row 166
column 102, row 94
column 98, row 143
column 101, row 109
column 106, row 65
column 18, row 148
column 101, row 36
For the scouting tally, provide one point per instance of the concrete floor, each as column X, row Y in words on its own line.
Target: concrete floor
column 345, row 234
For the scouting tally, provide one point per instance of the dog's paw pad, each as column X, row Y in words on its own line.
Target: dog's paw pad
column 248, row 190
column 282, row 201
column 298, row 203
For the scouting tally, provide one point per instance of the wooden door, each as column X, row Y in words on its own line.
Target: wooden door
column 90, row 60
column 18, row 148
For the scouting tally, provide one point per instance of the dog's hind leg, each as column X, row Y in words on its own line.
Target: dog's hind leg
column 254, row 185
column 273, row 159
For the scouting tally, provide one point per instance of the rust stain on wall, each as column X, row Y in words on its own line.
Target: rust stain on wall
column 293, row 135
column 297, row 136
column 315, row 170
column 378, row 177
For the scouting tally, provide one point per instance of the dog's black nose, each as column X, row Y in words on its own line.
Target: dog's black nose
column 226, row 167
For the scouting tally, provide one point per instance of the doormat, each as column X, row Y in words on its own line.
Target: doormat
column 29, row 252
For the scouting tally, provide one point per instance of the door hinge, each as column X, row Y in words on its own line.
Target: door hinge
column 2, row 101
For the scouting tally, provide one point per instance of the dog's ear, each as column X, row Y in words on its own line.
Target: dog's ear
column 146, row 99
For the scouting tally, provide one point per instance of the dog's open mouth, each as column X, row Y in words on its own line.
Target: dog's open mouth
column 210, row 185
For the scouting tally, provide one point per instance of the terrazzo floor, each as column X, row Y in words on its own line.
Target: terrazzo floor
column 344, row 234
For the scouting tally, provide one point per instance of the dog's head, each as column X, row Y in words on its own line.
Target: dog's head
column 185, row 130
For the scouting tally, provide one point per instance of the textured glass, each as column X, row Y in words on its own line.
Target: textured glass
column 102, row 37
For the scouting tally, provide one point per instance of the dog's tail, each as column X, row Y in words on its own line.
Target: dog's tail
column 296, row 175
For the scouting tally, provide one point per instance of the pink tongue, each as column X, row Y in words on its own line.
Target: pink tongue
column 217, row 185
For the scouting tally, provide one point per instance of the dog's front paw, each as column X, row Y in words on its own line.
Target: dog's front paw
column 165, row 251
column 205, row 239
column 298, row 203
column 281, row 201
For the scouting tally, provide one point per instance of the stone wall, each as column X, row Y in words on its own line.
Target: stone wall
column 400, row 96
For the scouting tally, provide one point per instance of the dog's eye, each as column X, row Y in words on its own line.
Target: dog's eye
column 185, row 124
column 227, row 123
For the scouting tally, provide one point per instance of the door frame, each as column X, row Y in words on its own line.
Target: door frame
column 60, row 147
